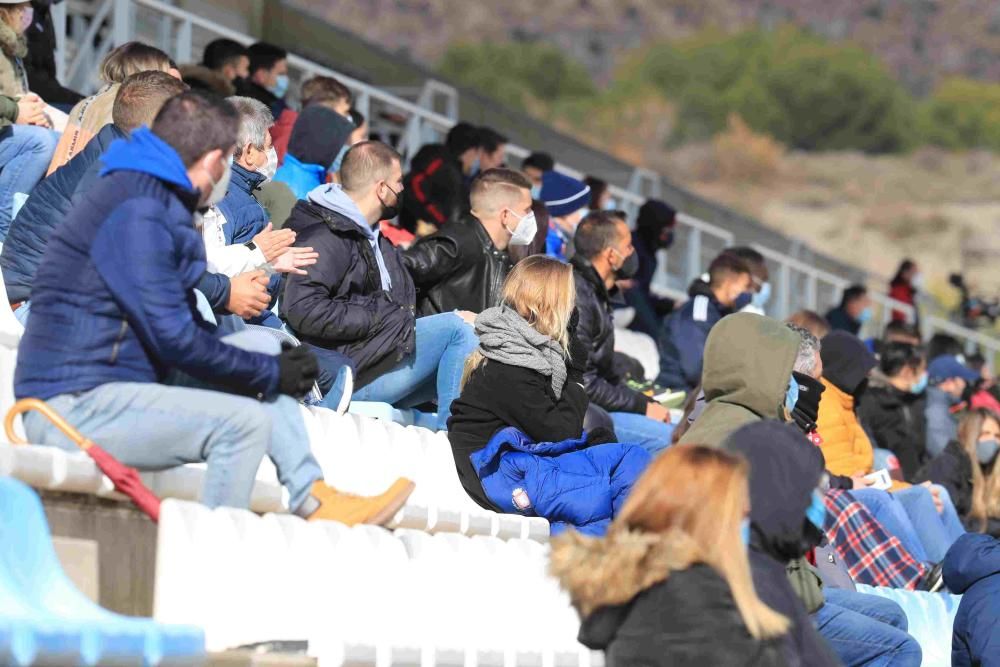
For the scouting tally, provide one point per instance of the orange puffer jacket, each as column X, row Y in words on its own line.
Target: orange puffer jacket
column 846, row 446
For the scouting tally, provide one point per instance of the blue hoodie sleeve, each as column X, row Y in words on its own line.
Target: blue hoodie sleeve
column 137, row 258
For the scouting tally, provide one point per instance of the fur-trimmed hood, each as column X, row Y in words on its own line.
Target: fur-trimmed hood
column 614, row 569
column 12, row 44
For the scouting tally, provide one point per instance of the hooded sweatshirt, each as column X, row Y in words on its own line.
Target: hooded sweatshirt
column 644, row 599
column 785, row 469
column 972, row 570
column 318, row 136
column 334, row 198
column 748, row 365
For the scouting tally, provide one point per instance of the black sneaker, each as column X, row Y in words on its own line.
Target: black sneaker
column 933, row 581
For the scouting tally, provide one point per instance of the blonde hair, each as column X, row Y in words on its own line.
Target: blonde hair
column 702, row 493
column 542, row 291
column 985, row 488
column 131, row 58
column 7, row 13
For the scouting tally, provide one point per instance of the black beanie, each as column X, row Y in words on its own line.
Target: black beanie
column 318, row 135
column 846, row 361
column 654, row 216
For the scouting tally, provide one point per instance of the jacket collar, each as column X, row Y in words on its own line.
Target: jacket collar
column 12, row 44
column 484, row 237
column 336, row 221
column 584, row 269
column 247, row 181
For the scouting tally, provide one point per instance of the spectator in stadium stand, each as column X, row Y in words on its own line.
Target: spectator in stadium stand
column 901, row 332
column 137, row 102
column 892, row 406
column 854, row 310
column 904, row 287
column 517, row 429
column 268, row 77
column 324, row 91
column 436, row 185
column 228, row 58
column 811, row 321
column 600, row 195
column 972, row 570
column 317, row 138
column 25, row 149
column 237, row 232
column 759, row 277
column 968, row 470
column 654, row 231
column 604, row 255
column 949, row 381
column 537, row 245
column 140, row 371
column 92, row 114
column 566, row 199
column 682, row 337
column 464, row 264
column 199, row 77
column 679, row 544
column 534, row 167
column 786, row 514
column 359, row 302
column 909, row 512
column 941, row 344
column 41, row 61
column 494, row 149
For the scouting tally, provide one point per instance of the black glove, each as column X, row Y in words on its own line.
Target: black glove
column 297, row 370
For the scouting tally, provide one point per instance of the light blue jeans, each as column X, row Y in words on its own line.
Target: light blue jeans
column 651, row 435
column 25, row 153
column 866, row 630
column 910, row 515
column 434, row 370
column 153, row 426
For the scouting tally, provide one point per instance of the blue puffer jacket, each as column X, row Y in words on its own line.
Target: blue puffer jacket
column 682, row 339
column 301, row 178
column 45, row 209
column 113, row 299
column 245, row 218
column 568, row 483
column 972, row 570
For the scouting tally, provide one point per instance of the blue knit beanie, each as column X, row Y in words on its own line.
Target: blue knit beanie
column 563, row 195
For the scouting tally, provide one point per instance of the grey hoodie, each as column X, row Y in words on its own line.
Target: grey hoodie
column 333, row 197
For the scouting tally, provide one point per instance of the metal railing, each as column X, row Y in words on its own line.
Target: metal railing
column 103, row 24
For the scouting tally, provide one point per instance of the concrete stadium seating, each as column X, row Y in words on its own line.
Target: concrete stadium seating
column 930, row 617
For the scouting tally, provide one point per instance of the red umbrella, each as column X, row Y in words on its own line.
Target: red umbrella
column 125, row 479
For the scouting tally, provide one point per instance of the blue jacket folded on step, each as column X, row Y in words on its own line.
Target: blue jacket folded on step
column 571, row 484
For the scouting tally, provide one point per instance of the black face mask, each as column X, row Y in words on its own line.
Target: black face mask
column 806, row 410
column 667, row 240
column 629, row 267
column 390, row 212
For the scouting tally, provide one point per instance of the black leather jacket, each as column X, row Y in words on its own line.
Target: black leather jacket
column 457, row 268
column 597, row 331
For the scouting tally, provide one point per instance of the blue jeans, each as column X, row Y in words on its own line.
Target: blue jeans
column 153, row 426
column 910, row 515
column 434, row 369
column 25, row 153
column 651, row 435
column 866, row 630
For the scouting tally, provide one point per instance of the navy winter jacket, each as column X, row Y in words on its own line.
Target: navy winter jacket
column 245, row 218
column 340, row 305
column 45, row 209
column 972, row 570
column 682, row 339
column 113, row 299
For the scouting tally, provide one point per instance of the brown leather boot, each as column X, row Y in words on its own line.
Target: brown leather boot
column 329, row 504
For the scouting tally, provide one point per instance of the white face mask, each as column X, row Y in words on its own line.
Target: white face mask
column 219, row 189
column 525, row 231
column 270, row 167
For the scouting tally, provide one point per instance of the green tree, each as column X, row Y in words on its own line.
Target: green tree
column 962, row 114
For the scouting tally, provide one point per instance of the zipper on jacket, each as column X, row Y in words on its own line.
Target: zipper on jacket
column 118, row 341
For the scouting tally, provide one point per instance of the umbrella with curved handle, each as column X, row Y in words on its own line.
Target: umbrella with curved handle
column 125, row 479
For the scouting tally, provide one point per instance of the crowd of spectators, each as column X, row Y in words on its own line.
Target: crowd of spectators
column 161, row 237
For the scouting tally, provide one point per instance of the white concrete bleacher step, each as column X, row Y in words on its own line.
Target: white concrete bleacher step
column 363, row 595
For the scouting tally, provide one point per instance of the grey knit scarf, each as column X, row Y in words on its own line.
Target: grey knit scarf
column 504, row 336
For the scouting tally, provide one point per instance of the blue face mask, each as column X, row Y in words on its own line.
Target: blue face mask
column 792, row 395
column 612, row 205
column 335, row 167
column 280, row 86
column 475, row 168
column 761, row 298
column 920, row 385
column 536, row 192
column 865, row 315
column 742, row 301
column 745, row 531
column 816, row 512
column 986, row 450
